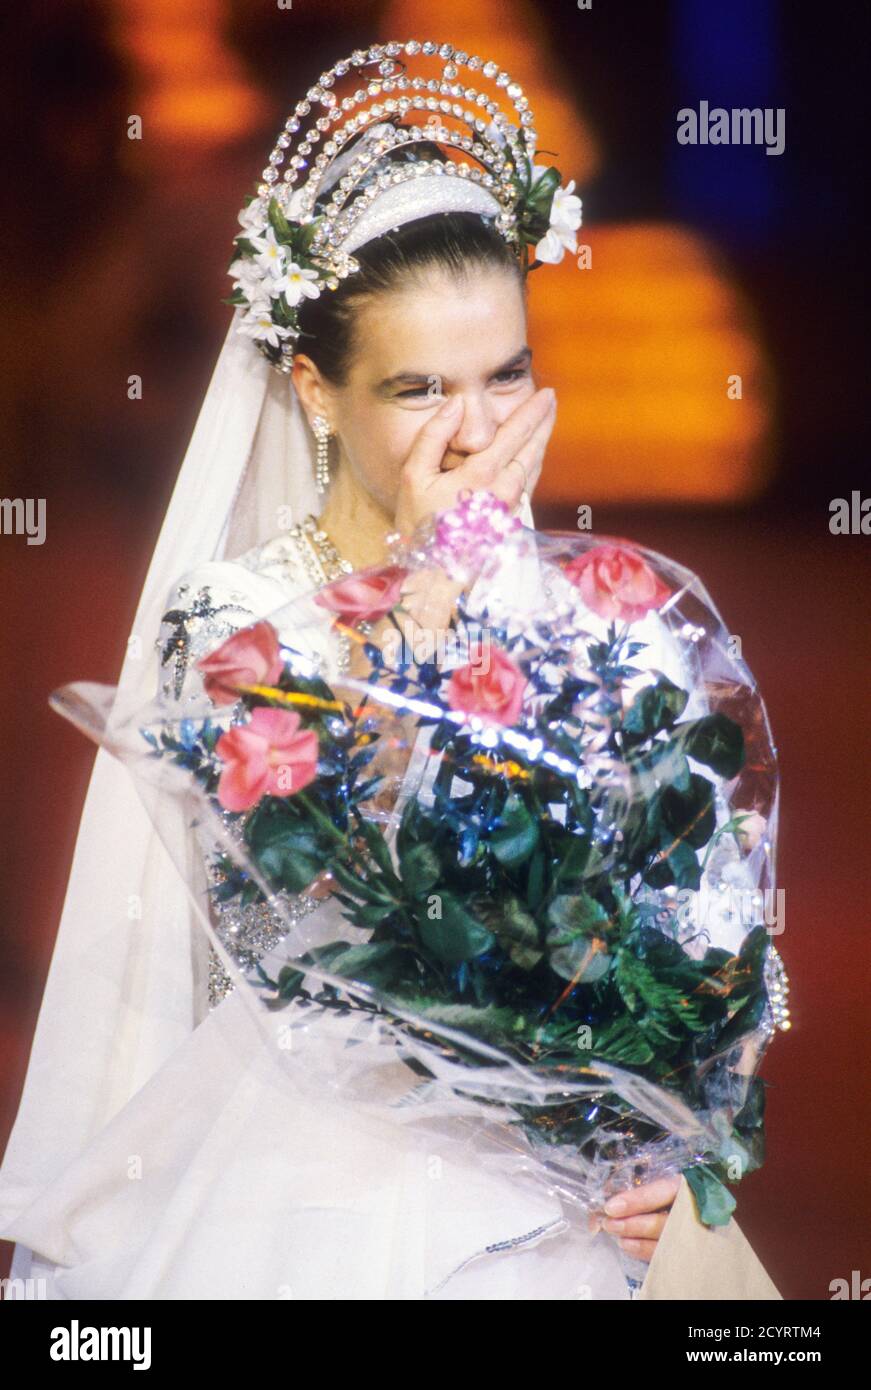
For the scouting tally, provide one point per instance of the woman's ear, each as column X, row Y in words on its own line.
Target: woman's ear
column 314, row 394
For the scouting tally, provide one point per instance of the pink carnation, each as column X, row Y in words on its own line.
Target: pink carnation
column 268, row 756
column 615, row 582
column 250, row 657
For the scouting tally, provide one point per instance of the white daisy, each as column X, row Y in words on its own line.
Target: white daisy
column 296, row 284
column 247, row 277
column 258, row 324
column 252, row 219
column 565, row 218
column 553, row 246
column 565, row 211
column 270, row 253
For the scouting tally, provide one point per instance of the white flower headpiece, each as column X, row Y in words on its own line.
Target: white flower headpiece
column 298, row 235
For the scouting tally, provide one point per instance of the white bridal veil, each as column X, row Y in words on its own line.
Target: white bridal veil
column 121, row 990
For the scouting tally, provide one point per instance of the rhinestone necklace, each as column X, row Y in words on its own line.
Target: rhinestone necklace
column 322, row 560
column 323, row 564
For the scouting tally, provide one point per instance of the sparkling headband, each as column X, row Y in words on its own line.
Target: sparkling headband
column 299, row 234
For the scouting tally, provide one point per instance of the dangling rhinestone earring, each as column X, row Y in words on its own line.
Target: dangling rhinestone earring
column 322, row 465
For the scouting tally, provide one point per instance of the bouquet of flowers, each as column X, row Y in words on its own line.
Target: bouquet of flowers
column 524, row 858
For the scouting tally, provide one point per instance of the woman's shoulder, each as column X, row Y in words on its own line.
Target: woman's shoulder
column 278, row 563
column 215, row 598
column 263, row 577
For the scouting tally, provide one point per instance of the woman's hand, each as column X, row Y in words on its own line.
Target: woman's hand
column 639, row 1226
column 510, row 465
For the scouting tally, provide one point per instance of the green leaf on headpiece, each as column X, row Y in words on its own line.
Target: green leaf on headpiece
column 281, row 313
column 279, row 223
column 305, row 235
column 521, row 177
column 541, row 194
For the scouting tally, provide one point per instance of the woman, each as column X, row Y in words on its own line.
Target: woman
column 159, row 1152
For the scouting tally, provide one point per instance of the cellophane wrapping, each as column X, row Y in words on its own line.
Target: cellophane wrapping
column 509, row 878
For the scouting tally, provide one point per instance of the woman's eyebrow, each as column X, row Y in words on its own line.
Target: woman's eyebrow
column 520, row 359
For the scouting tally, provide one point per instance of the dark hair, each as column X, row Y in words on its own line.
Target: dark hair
column 455, row 242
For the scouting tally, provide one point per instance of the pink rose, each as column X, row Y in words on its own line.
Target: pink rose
column 249, row 657
column 616, row 583
column 270, row 755
column 495, row 694
column 365, row 597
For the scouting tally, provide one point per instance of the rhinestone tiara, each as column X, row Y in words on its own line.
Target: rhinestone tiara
column 361, row 164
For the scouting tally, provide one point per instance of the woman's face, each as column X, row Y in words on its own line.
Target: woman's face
column 439, row 337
